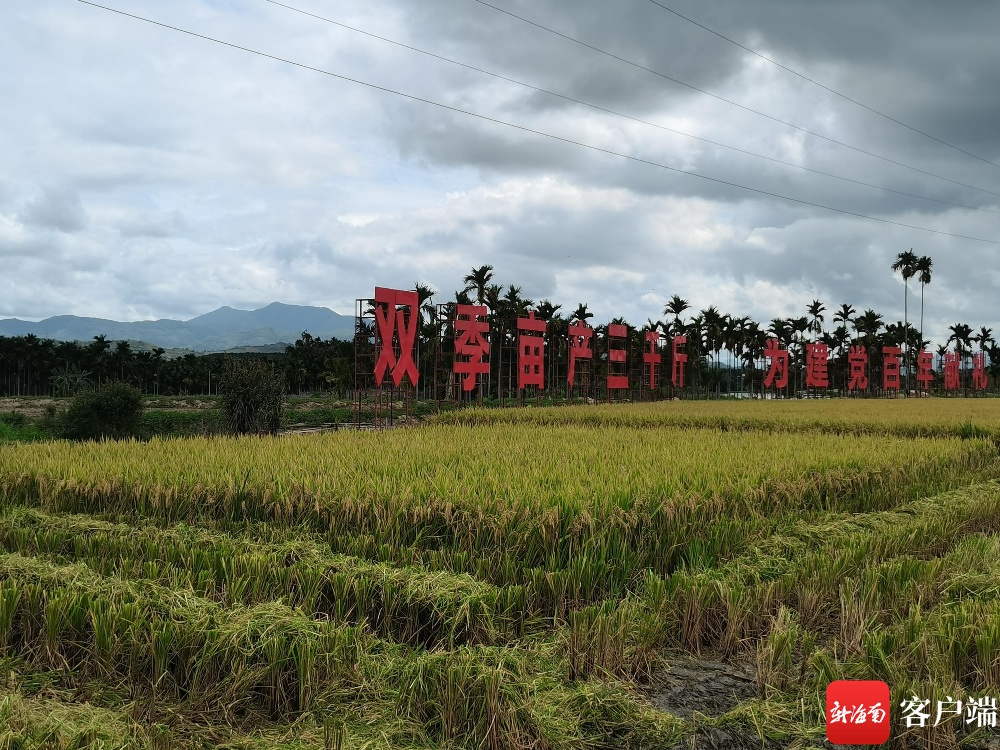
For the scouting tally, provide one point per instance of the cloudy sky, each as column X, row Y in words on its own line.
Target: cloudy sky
column 147, row 174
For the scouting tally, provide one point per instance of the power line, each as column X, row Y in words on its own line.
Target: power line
column 525, row 129
column 824, row 87
column 721, row 98
column 629, row 117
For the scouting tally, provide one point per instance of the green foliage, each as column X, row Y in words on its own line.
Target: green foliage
column 253, row 396
column 111, row 412
column 13, row 419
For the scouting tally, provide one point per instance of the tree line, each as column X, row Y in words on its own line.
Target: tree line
column 725, row 351
column 32, row 366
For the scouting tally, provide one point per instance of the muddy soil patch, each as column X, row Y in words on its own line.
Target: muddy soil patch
column 707, row 687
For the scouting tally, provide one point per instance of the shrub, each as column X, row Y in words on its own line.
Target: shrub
column 13, row 419
column 110, row 412
column 253, row 395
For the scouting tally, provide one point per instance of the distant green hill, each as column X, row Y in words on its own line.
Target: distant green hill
column 221, row 330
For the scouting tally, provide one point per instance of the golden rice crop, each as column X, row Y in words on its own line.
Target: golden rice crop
column 913, row 417
column 575, row 512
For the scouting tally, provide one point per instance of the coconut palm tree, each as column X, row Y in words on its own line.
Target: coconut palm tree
column 906, row 263
column 477, row 279
column 816, row 310
column 961, row 335
column 676, row 307
column 923, row 268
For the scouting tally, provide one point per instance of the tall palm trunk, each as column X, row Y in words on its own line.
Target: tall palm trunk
column 906, row 342
column 921, row 342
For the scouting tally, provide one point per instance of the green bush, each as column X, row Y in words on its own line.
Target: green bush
column 13, row 419
column 253, row 396
column 111, row 412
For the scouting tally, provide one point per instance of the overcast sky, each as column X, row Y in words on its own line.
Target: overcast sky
column 149, row 174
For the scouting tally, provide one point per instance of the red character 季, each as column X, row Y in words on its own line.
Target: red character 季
column 777, row 372
column 652, row 358
column 817, row 361
column 951, row 374
column 678, row 361
column 530, row 352
column 616, row 358
column 580, row 335
column 472, row 348
column 857, row 358
column 979, row 379
column 395, row 327
column 925, row 371
column 890, row 367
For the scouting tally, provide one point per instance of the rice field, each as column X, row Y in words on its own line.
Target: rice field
column 502, row 579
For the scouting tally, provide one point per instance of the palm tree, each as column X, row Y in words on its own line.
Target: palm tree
column 923, row 268
column 961, row 335
column 581, row 313
column 906, row 263
column 816, row 310
column 984, row 338
column 676, row 307
column 477, row 279
column 425, row 293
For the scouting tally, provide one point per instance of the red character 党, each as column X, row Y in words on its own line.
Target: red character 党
column 857, row 358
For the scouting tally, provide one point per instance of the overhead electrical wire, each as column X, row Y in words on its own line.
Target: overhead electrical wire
column 525, row 129
column 679, row 82
column 813, row 81
column 629, row 117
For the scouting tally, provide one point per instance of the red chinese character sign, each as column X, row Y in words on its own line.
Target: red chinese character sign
column 472, row 348
column 651, row 359
column 777, row 371
column 580, row 337
column 925, row 369
column 857, row 358
column 677, row 361
column 530, row 352
column 951, row 374
column 617, row 373
column 890, row 368
column 396, row 321
column 817, row 363
column 979, row 379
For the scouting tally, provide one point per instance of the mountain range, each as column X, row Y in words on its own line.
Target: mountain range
column 219, row 330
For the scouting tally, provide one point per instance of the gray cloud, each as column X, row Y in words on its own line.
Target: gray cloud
column 148, row 174
column 57, row 209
